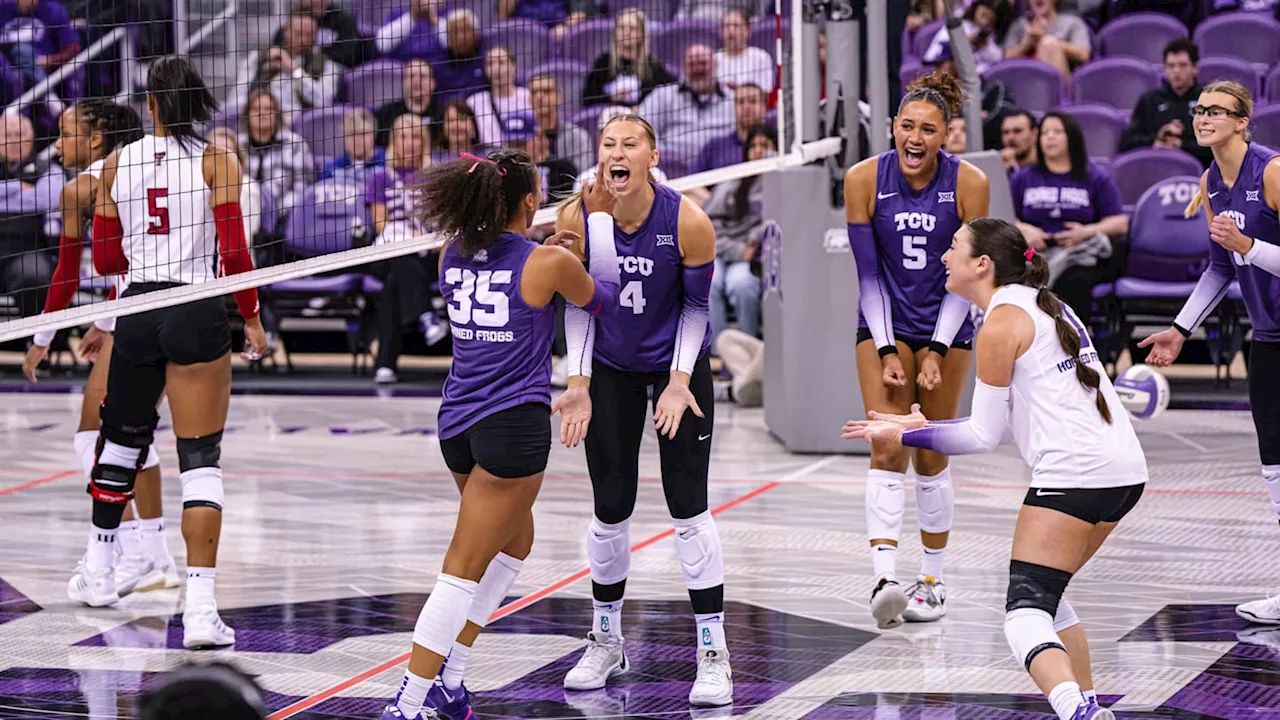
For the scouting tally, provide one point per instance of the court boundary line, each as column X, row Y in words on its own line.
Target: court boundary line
column 511, row 608
column 37, row 483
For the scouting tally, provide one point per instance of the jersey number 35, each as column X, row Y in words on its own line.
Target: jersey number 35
column 474, row 301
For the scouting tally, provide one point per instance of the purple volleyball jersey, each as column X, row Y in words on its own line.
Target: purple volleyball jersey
column 501, row 345
column 913, row 229
column 1246, row 203
column 642, row 337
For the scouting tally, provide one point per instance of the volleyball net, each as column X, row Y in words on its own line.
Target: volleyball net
column 335, row 111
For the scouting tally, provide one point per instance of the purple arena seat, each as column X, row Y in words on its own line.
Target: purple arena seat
column 589, row 119
column 1230, row 68
column 1272, row 84
column 1114, row 81
column 670, row 42
column 910, row 70
column 322, row 129
column 327, row 219
column 915, row 44
column 654, row 10
column 1249, row 36
column 1141, row 35
column 228, row 117
column 1265, row 124
column 586, row 41
column 527, row 39
column 1137, row 170
column 570, row 76
column 1167, row 251
column 374, row 84
column 1035, row 85
column 764, row 34
column 1102, row 127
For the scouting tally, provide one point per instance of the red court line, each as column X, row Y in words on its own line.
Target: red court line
column 37, row 483
column 309, row 702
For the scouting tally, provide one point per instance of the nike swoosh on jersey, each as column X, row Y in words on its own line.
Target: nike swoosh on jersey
column 1214, row 195
column 885, row 195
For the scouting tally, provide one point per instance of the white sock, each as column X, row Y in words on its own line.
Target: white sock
column 102, row 547
column 454, row 665
column 200, row 586
column 153, row 541
column 86, row 444
column 1066, row 699
column 1090, row 696
column 711, row 630
column 130, row 538
column 884, row 560
column 413, row 691
column 933, row 560
column 1271, row 475
column 608, row 618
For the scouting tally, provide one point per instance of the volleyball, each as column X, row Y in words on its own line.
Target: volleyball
column 1143, row 391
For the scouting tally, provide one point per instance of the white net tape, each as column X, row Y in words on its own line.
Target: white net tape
column 82, row 315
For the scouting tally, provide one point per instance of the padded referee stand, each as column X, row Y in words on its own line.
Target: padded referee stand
column 810, row 309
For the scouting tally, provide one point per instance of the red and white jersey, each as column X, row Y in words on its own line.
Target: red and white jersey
column 163, row 201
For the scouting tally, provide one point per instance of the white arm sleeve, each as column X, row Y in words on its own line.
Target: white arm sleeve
column 1264, row 255
column 978, row 433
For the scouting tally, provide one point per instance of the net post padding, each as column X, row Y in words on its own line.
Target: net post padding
column 85, row 314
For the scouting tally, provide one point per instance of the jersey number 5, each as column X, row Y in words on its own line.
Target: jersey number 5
column 473, row 300
column 158, row 209
column 913, row 252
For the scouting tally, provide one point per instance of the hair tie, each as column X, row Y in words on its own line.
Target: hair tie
column 468, row 156
column 1030, row 253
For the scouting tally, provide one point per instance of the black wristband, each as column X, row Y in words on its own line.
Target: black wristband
column 1050, row 241
column 888, row 350
column 1185, row 332
column 939, row 348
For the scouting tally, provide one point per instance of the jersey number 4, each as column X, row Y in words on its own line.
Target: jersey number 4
column 158, row 209
column 473, row 299
column 632, row 296
column 914, row 256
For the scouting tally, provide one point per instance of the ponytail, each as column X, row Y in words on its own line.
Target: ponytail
column 1037, row 276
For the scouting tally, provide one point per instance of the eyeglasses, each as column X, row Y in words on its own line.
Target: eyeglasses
column 1217, row 112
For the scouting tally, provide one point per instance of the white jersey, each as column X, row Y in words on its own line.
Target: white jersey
column 95, row 170
column 163, row 200
column 1055, row 420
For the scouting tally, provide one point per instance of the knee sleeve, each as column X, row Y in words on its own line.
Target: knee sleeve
column 609, row 551
column 701, row 556
column 1271, row 474
column 1066, row 617
column 127, row 426
column 493, row 587
column 1030, row 632
column 201, row 477
column 1036, row 587
column 86, row 444
column 885, row 504
column 444, row 614
column 935, row 502
column 153, row 458
column 114, row 472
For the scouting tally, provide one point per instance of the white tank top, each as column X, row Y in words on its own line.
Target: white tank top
column 163, row 201
column 1055, row 420
column 95, row 170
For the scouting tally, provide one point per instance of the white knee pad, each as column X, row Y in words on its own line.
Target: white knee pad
column 886, row 501
column 701, row 556
column 444, row 614
column 493, row 587
column 1271, row 474
column 1066, row 617
column 202, row 487
column 86, row 444
column 935, row 502
column 1030, row 632
column 153, row 458
column 609, row 551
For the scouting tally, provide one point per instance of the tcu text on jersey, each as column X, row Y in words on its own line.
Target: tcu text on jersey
column 915, row 221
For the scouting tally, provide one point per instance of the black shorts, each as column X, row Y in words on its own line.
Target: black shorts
column 186, row 334
column 1092, row 505
column 511, row 443
column 1264, row 397
column 916, row 344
